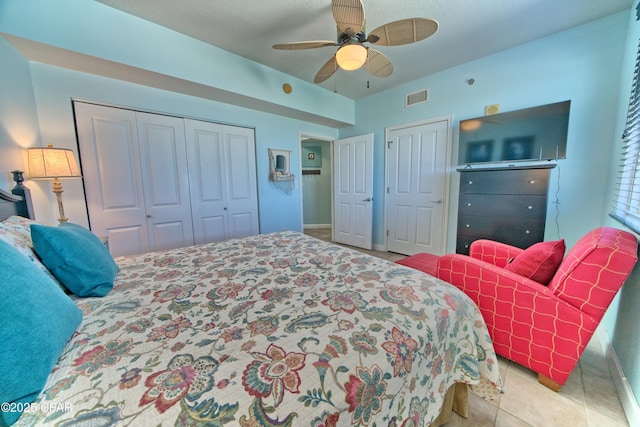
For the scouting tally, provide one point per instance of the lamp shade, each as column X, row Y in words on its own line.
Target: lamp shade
column 52, row 162
column 351, row 56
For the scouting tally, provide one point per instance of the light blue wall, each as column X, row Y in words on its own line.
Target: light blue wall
column 92, row 28
column 581, row 64
column 18, row 117
column 55, row 87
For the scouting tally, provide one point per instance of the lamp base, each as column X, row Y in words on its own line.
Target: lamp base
column 57, row 190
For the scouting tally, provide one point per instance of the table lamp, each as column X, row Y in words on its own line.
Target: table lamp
column 53, row 163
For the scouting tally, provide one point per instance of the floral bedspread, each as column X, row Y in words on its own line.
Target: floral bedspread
column 275, row 329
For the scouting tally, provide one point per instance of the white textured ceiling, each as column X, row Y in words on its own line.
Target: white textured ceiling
column 469, row 29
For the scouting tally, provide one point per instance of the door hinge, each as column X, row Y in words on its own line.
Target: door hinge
column 387, row 233
column 387, row 190
column 389, row 144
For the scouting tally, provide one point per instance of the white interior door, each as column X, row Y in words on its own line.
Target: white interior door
column 353, row 191
column 417, row 188
column 163, row 160
column 108, row 146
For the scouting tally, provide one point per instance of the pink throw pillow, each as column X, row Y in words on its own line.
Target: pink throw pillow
column 539, row 262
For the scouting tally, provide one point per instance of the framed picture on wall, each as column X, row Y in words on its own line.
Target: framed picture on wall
column 311, row 156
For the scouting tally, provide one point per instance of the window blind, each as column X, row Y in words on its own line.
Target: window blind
column 626, row 206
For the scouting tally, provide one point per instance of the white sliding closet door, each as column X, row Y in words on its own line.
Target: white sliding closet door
column 242, row 189
column 108, row 146
column 158, row 182
column 224, row 192
column 165, row 177
column 208, row 192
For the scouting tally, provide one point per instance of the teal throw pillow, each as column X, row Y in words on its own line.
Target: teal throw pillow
column 36, row 321
column 76, row 257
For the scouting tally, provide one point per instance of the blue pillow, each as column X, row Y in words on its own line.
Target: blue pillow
column 36, row 321
column 76, row 257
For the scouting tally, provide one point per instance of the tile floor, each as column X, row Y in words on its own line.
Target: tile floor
column 588, row 399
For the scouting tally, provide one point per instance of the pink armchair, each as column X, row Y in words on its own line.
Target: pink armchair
column 544, row 328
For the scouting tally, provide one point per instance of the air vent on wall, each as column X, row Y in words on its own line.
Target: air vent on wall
column 417, row 97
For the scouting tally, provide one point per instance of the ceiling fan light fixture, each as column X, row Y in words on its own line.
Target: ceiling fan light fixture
column 351, row 57
column 352, row 54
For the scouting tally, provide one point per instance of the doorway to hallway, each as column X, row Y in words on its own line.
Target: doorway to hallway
column 316, row 183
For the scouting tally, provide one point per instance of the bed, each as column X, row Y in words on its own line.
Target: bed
column 269, row 330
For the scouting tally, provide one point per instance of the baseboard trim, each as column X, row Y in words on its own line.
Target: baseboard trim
column 312, row 226
column 628, row 400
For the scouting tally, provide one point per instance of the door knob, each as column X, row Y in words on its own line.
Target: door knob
column 440, row 201
column 368, row 199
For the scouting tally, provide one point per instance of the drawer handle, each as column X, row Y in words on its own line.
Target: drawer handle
column 470, row 182
column 527, row 232
column 529, row 207
column 532, row 181
column 468, row 226
column 468, row 204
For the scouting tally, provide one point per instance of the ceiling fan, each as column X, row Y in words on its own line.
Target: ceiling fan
column 352, row 53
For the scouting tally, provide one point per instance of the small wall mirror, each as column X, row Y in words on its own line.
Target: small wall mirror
column 279, row 165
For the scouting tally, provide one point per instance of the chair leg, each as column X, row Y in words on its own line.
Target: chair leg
column 548, row 382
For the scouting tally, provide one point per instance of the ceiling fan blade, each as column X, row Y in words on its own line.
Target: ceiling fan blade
column 327, row 70
column 378, row 64
column 404, row 31
column 304, row 45
column 349, row 15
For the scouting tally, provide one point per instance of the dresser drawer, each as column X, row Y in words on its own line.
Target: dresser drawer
column 506, row 205
column 498, row 205
column 463, row 242
column 511, row 230
column 509, row 181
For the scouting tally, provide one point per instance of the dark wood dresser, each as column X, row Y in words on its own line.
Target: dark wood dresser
column 507, row 205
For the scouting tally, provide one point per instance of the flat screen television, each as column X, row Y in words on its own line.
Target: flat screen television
column 530, row 134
